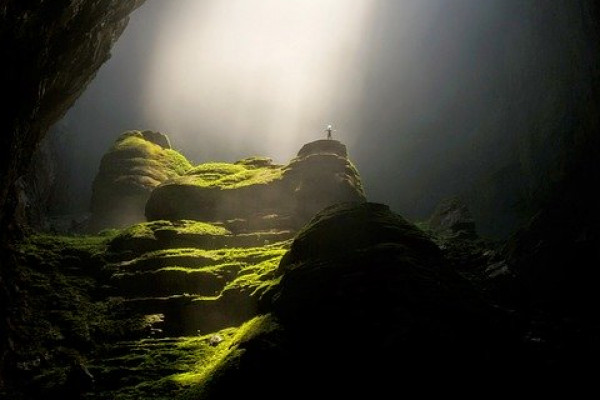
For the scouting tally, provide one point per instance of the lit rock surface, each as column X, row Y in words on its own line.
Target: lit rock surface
column 136, row 164
column 252, row 189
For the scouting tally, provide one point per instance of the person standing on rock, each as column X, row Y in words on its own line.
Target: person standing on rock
column 329, row 130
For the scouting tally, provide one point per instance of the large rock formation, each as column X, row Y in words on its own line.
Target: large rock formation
column 251, row 189
column 363, row 298
column 129, row 171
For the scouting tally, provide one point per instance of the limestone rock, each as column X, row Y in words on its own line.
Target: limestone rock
column 362, row 259
column 136, row 164
column 323, row 147
column 250, row 189
column 157, row 138
column 363, row 298
column 452, row 218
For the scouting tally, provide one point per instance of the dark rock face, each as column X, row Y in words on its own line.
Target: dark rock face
column 363, row 292
column 320, row 176
column 129, row 171
column 452, row 217
column 365, row 265
column 555, row 134
column 50, row 51
column 554, row 256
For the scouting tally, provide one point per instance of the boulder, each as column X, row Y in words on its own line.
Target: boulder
column 321, row 175
column 364, row 298
column 129, row 171
column 353, row 264
column 452, row 218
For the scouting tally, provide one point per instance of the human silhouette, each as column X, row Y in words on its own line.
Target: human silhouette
column 329, row 130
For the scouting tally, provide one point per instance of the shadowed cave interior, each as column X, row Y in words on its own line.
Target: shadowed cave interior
column 200, row 236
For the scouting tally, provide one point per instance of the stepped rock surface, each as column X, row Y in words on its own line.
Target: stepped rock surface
column 168, row 292
column 138, row 312
column 254, row 189
column 137, row 163
column 187, row 309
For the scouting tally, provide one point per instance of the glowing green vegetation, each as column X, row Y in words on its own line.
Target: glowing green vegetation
column 174, row 368
column 150, row 157
column 208, row 362
column 201, row 272
column 52, row 247
column 182, row 227
column 256, row 278
column 176, row 257
column 230, row 176
column 153, row 368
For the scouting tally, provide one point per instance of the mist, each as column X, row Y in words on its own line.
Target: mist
column 431, row 97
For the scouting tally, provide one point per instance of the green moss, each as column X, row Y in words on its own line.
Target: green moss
column 151, row 368
column 214, row 269
column 173, row 368
column 176, row 161
column 257, row 278
column 49, row 247
column 230, row 176
column 148, row 158
column 191, row 259
column 225, row 255
column 147, row 229
column 208, row 362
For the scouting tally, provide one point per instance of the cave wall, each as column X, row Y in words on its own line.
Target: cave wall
column 50, row 51
column 550, row 109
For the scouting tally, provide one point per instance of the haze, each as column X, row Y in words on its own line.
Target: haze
column 427, row 95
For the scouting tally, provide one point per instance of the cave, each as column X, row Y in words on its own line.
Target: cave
column 264, row 193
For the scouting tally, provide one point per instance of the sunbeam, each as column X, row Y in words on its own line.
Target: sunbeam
column 269, row 73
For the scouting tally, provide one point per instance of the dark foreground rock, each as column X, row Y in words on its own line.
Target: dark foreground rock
column 364, row 303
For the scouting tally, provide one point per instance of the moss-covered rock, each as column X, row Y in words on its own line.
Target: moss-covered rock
column 251, row 189
column 149, row 236
column 163, row 235
column 198, row 290
column 135, row 164
column 67, row 314
column 363, row 297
